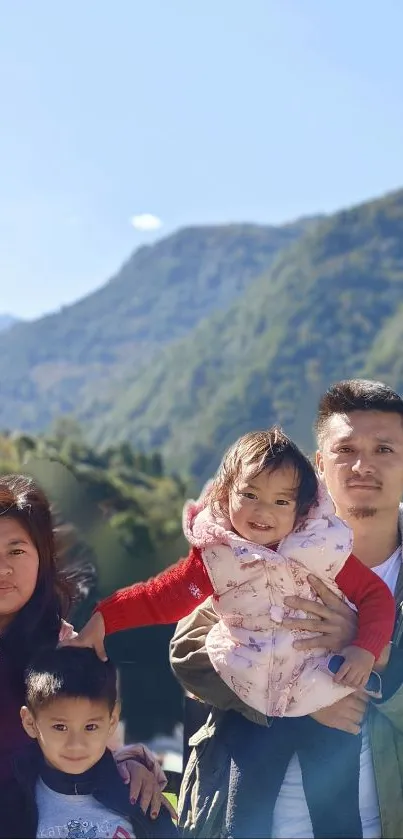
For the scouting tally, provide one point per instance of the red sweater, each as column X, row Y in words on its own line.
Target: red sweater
column 174, row 593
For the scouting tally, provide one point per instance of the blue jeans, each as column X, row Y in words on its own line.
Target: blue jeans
column 330, row 764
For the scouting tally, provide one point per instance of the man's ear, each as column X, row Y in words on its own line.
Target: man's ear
column 28, row 722
column 319, row 464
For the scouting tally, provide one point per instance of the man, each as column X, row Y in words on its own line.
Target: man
column 359, row 430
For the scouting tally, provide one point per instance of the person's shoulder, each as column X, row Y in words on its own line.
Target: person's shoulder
column 8, row 788
column 114, row 796
column 13, row 806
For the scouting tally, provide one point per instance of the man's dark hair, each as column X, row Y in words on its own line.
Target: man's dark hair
column 356, row 395
column 69, row 672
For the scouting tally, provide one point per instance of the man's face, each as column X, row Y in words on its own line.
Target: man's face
column 361, row 462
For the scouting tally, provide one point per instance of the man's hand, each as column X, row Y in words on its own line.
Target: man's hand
column 333, row 621
column 347, row 714
column 92, row 635
column 356, row 668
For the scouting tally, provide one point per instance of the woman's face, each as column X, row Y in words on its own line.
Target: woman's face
column 19, row 565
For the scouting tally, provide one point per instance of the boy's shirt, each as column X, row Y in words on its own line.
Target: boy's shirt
column 77, row 817
column 41, row 801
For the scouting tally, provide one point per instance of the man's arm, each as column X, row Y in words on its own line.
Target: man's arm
column 193, row 669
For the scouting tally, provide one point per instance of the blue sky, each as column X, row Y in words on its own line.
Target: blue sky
column 197, row 111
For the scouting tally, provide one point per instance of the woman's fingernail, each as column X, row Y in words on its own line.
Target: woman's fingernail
column 133, row 800
column 153, row 815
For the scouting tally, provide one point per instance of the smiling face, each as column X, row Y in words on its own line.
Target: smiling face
column 72, row 733
column 361, row 461
column 19, row 565
column 262, row 508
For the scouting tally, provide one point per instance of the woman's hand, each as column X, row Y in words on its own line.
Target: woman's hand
column 333, row 621
column 144, row 788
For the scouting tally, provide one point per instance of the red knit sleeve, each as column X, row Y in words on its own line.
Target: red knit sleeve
column 375, row 604
column 166, row 598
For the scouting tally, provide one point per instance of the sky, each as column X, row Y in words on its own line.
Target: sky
column 187, row 112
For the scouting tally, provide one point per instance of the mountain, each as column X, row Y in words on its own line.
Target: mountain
column 330, row 306
column 6, row 321
column 79, row 359
column 214, row 331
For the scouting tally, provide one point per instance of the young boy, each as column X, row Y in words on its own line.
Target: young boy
column 66, row 784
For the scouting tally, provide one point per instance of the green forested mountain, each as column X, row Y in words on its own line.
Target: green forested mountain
column 78, row 359
column 329, row 307
column 217, row 330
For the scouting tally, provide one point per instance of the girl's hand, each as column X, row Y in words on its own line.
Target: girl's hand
column 92, row 635
column 356, row 668
column 333, row 621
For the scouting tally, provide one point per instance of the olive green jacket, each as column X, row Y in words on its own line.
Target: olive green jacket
column 203, row 794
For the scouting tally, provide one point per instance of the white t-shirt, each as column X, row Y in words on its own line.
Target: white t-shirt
column 291, row 815
column 77, row 817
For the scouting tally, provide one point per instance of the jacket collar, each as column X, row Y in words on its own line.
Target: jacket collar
column 29, row 765
column 86, row 783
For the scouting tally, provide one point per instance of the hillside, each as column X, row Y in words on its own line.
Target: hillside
column 330, row 306
column 247, row 328
column 60, row 363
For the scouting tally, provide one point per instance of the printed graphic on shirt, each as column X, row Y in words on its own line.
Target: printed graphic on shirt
column 83, row 829
column 77, row 817
column 80, row 830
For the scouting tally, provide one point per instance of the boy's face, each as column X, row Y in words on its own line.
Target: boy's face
column 72, row 733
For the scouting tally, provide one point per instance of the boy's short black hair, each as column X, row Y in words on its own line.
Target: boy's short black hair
column 69, row 672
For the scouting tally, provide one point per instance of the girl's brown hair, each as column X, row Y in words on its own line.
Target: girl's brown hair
column 258, row 451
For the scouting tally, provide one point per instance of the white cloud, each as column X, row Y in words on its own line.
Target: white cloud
column 146, row 221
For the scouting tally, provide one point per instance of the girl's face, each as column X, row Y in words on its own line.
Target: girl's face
column 19, row 566
column 263, row 508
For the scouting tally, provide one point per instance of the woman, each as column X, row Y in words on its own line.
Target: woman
column 35, row 598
